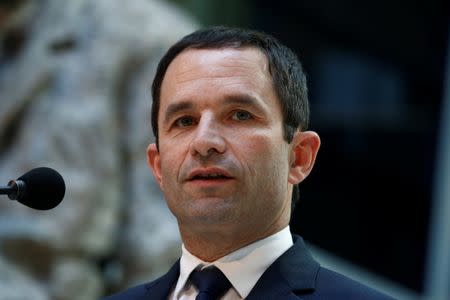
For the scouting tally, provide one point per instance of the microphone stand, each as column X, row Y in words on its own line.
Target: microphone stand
column 14, row 189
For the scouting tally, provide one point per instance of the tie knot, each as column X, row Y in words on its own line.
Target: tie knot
column 210, row 282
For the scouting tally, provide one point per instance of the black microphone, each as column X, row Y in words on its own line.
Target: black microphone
column 41, row 188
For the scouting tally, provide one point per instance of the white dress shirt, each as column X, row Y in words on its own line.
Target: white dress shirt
column 243, row 267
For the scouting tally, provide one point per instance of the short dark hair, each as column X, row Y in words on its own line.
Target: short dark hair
column 286, row 70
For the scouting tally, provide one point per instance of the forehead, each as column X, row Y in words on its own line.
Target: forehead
column 199, row 72
column 231, row 58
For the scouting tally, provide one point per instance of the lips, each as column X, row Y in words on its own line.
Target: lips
column 209, row 174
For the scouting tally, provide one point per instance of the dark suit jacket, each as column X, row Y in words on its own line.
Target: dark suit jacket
column 294, row 275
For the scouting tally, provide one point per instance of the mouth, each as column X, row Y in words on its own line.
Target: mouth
column 209, row 176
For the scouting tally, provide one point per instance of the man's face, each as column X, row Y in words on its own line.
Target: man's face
column 222, row 161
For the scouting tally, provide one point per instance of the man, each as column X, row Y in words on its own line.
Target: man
column 229, row 114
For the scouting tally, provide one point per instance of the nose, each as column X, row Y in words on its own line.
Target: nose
column 208, row 138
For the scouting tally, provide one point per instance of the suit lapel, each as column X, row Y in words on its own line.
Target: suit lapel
column 160, row 288
column 292, row 273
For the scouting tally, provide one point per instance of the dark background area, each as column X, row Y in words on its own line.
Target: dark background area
column 376, row 80
column 376, row 71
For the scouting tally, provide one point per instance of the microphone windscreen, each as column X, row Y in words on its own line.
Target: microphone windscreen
column 44, row 188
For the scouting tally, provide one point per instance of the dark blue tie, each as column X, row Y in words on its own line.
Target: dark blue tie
column 210, row 282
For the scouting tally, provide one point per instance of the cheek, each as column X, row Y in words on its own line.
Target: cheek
column 266, row 174
column 262, row 154
column 171, row 159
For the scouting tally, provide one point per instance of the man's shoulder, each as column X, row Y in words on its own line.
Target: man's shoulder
column 156, row 289
column 332, row 285
column 137, row 292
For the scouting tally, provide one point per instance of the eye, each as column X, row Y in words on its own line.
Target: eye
column 184, row 121
column 241, row 115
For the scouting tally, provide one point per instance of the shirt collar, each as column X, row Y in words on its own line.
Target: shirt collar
column 243, row 267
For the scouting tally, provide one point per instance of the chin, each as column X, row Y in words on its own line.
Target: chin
column 212, row 211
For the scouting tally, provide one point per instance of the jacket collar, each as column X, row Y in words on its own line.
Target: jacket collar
column 161, row 287
column 292, row 273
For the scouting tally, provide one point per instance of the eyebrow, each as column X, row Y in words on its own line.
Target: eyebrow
column 174, row 108
column 245, row 100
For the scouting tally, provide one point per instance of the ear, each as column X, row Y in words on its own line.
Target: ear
column 305, row 146
column 154, row 162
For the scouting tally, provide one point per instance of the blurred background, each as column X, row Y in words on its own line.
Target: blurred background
column 75, row 82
